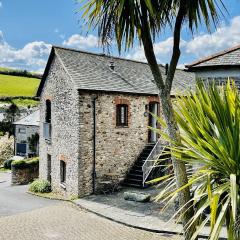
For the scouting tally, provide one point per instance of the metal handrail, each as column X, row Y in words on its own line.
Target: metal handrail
column 151, row 159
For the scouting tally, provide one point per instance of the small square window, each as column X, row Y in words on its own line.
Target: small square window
column 122, row 115
column 63, row 172
column 22, row 130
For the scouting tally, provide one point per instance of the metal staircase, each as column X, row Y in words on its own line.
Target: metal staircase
column 146, row 162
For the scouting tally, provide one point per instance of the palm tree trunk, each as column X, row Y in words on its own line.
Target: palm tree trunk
column 165, row 96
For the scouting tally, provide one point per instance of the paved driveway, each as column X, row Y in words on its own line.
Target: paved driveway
column 14, row 199
column 65, row 222
column 26, row 217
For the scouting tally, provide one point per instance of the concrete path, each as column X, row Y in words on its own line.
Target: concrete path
column 14, row 199
column 146, row 216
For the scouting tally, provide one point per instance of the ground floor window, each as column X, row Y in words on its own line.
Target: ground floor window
column 63, row 171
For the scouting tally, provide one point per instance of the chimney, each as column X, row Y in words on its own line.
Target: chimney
column 166, row 69
column 112, row 65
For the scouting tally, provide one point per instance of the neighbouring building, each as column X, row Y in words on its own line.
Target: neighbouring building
column 94, row 119
column 219, row 66
column 26, row 135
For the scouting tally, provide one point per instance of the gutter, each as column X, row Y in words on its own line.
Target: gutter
column 94, row 145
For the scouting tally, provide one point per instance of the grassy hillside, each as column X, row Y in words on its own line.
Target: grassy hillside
column 18, row 86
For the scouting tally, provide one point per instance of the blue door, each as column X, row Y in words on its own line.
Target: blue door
column 21, row 149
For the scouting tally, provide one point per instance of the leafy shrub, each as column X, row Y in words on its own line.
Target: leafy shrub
column 7, row 164
column 6, row 148
column 41, row 186
column 26, row 163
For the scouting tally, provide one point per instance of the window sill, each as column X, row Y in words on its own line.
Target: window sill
column 122, row 126
column 63, row 185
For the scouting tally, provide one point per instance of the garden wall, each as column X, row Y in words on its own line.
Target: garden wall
column 24, row 172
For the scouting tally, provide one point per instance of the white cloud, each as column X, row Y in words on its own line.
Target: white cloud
column 0, row 4
column 202, row 45
column 162, row 50
column 223, row 38
column 32, row 56
column 81, row 42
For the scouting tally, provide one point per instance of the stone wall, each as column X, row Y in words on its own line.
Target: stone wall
column 24, row 175
column 64, row 145
column 116, row 147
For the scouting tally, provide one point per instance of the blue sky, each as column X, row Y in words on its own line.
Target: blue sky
column 28, row 28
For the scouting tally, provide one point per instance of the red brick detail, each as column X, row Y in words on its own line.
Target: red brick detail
column 48, row 98
column 62, row 158
column 153, row 99
column 119, row 100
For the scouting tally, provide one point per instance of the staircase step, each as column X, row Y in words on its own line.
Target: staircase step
column 133, row 185
column 136, row 172
column 135, row 176
column 133, row 180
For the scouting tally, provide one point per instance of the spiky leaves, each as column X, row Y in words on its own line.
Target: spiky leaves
column 209, row 123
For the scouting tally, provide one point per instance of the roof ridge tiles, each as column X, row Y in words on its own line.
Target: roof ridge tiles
column 101, row 55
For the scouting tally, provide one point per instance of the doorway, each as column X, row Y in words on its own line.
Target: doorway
column 153, row 108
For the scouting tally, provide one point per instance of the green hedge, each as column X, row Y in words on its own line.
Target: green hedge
column 41, row 186
column 26, row 163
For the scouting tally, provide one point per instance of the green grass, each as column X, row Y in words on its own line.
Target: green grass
column 4, row 170
column 18, row 86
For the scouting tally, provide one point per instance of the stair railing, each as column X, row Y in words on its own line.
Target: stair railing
column 152, row 159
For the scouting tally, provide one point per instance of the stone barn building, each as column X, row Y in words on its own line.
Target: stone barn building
column 94, row 120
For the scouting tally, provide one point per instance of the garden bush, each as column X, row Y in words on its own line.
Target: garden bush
column 6, row 148
column 26, row 163
column 40, row 186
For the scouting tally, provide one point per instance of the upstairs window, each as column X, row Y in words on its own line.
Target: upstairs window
column 22, row 130
column 122, row 115
column 48, row 112
column 63, row 171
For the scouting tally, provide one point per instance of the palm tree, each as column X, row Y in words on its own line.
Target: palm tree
column 128, row 20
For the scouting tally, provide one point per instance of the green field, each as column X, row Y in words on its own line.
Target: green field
column 18, row 86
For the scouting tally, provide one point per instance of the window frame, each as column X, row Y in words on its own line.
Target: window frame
column 22, row 130
column 122, row 112
column 63, row 172
column 48, row 112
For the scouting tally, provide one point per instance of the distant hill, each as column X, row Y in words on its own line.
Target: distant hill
column 18, row 83
column 16, row 72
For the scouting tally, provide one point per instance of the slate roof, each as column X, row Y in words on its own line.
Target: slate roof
column 229, row 57
column 91, row 71
column 32, row 119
